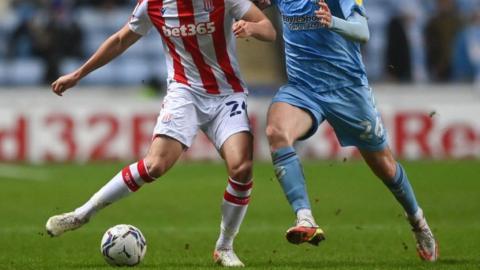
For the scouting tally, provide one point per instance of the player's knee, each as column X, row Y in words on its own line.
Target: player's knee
column 388, row 171
column 241, row 171
column 156, row 167
column 276, row 135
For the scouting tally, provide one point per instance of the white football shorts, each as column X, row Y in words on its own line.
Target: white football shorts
column 184, row 112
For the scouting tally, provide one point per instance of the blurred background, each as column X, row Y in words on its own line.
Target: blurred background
column 423, row 60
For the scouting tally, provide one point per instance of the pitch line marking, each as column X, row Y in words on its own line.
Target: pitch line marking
column 23, row 173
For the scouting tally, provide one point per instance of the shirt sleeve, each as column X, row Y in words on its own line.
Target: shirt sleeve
column 140, row 21
column 349, row 7
column 354, row 29
column 238, row 8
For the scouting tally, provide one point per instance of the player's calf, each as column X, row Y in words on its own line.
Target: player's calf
column 234, row 207
column 128, row 180
column 136, row 175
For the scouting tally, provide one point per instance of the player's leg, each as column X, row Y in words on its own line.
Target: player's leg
column 285, row 125
column 229, row 130
column 385, row 167
column 237, row 151
column 164, row 152
column 395, row 178
column 176, row 128
column 353, row 115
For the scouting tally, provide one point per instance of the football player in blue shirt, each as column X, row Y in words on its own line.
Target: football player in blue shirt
column 327, row 81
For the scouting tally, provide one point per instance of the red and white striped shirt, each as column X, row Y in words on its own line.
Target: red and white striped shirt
column 198, row 40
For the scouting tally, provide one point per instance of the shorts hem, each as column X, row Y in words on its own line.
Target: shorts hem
column 369, row 148
column 313, row 129
column 173, row 135
column 231, row 133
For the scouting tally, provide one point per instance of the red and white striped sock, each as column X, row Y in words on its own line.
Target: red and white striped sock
column 130, row 179
column 135, row 175
column 234, row 207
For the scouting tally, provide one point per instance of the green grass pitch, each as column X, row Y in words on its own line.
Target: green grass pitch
column 179, row 215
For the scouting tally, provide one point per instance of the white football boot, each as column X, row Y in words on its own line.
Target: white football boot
column 427, row 246
column 59, row 224
column 227, row 258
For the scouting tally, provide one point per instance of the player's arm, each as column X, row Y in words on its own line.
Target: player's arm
column 110, row 49
column 355, row 28
column 254, row 24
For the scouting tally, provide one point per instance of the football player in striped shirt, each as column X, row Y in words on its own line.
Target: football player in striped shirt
column 205, row 92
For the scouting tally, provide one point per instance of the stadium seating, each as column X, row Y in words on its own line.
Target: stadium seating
column 98, row 24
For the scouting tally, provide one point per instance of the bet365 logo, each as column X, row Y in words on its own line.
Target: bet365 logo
column 187, row 30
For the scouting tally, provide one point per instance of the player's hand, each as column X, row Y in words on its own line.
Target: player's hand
column 262, row 4
column 242, row 29
column 63, row 83
column 324, row 14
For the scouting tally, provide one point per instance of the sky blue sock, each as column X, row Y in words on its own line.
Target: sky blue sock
column 403, row 192
column 290, row 175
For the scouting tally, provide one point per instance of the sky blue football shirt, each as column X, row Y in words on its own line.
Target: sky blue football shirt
column 317, row 58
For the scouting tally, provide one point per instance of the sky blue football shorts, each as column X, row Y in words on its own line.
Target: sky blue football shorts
column 351, row 111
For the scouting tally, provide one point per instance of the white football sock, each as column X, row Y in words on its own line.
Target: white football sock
column 234, row 207
column 306, row 214
column 418, row 219
column 130, row 179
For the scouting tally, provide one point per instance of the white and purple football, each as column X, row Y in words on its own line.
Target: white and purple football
column 123, row 245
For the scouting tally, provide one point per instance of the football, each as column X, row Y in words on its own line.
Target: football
column 123, row 245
